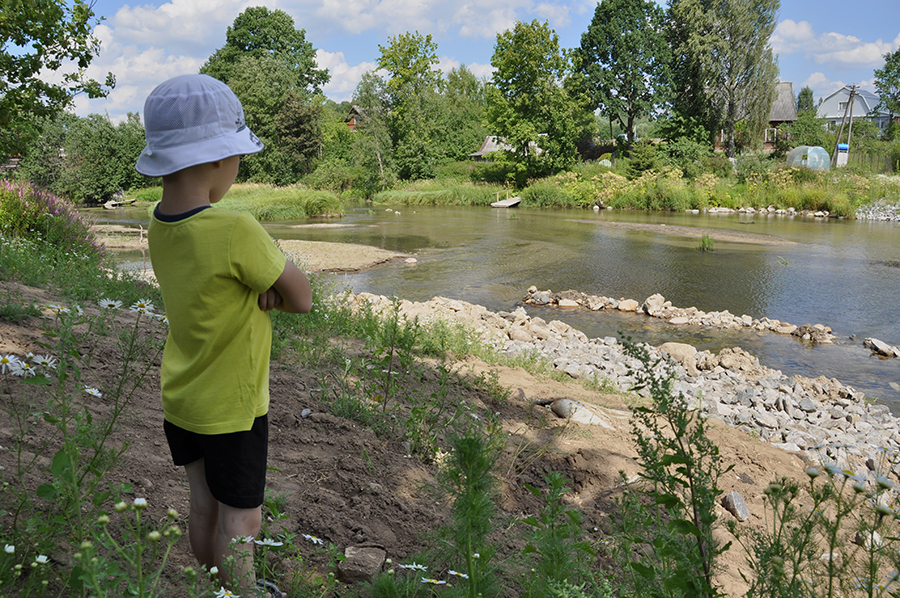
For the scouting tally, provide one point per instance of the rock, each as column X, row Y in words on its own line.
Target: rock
column 518, row 333
column 807, row 405
column 361, row 564
column 868, row 540
column 879, row 347
column 679, row 320
column 678, row 351
column 734, row 504
column 564, row 408
column 411, row 260
column 568, row 303
column 653, row 304
column 628, row 305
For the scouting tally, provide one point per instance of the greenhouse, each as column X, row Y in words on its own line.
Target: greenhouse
column 810, row 156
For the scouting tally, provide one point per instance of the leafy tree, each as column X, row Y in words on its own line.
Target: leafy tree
column 741, row 69
column 805, row 101
column 887, row 82
column 409, row 59
column 527, row 105
column 372, row 148
column 272, row 70
column 37, row 37
column 458, row 116
column 259, row 32
column 689, row 28
column 808, row 129
column 624, row 59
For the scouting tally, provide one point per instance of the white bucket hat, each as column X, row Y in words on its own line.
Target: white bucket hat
column 190, row 120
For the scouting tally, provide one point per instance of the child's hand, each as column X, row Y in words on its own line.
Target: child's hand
column 270, row 300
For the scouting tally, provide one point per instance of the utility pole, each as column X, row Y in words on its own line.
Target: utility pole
column 849, row 109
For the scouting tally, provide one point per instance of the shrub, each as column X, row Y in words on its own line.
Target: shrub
column 26, row 211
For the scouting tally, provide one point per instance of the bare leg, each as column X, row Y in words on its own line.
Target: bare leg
column 204, row 518
column 239, row 523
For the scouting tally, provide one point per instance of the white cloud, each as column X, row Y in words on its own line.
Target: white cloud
column 821, row 85
column 344, row 77
column 177, row 24
column 831, row 48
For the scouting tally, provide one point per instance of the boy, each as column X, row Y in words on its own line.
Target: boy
column 220, row 274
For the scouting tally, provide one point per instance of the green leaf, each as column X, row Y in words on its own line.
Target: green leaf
column 50, row 419
column 46, row 491
column 62, row 465
column 642, row 569
column 533, row 490
column 672, row 459
column 683, row 527
column 529, row 549
column 101, row 497
column 670, row 501
column 38, row 381
column 531, row 520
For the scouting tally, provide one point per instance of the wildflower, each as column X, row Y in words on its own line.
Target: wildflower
column 269, row 542
column 242, row 539
column 9, row 549
column 9, row 361
column 475, row 555
column 162, row 318
column 41, row 559
column 65, row 310
column 883, row 509
column 223, row 593
column 172, row 513
column 214, row 570
column 154, row 536
column 120, row 506
column 883, row 482
column 813, row 473
column 414, row 566
column 458, row 574
column 314, row 539
column 103, row 519
column 433, row 581
column 26, row 370
column 93, row 391
column 48, row 362
column 140, row 503
column 110, row 304
column 142, row 306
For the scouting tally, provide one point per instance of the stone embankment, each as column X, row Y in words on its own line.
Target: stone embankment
column 827, row 422
column 880, row 210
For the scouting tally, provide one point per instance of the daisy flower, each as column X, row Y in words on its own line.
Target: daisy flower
column 433, row 581
column 458, row 574
column 93, row 391
column 414, row 566
column 26, row 370
column 140, row 503
column 9, row 549
column 269, row 542
column 314, row 539
column 10, row 362
column 110, row 304
column 142, row 306
column 242, row 539
column 48, row 362
column 41, row 559
column 223, row 593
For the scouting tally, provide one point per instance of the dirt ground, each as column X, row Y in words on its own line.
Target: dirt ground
column 350, row 487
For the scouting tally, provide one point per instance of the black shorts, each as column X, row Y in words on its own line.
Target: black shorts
column 235, row 463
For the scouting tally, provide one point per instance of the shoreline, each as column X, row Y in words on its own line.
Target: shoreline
column 819, row 419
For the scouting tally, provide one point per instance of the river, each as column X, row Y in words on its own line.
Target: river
column 844, row 274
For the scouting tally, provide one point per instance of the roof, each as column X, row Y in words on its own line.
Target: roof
column 868, row 99
column 784, row 108
column 491, row 144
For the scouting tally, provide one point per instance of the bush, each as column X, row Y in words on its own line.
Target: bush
column 686, row 154
column 26, row 211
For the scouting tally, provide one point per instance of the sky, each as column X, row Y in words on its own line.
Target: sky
column 823, row 44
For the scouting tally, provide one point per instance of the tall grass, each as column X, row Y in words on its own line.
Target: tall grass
column 441, row 192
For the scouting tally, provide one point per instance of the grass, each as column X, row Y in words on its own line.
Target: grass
column 267, row 202
column 381, row 370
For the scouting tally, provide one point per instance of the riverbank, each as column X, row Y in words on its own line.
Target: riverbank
column 821, row 420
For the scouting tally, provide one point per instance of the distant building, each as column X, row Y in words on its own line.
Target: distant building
column 783, row 112
column 834, row 106
column 493, row 143
column 353, row 117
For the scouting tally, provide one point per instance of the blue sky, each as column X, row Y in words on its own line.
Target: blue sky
column 823, row 44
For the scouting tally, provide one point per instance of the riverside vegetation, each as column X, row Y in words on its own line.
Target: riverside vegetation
column 69, row 526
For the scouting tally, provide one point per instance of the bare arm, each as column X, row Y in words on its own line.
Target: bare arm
column 291, row 293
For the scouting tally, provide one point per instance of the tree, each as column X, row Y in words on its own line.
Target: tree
column 409, row 59
column 372, row 147
column 887, row 82
column 805, row 101
column 741, row 69
column 458, row 118
column 624, row 59
column 269, row 65
column 37, row 37
column 299, row 129
column 258, row 32
column 527, row 105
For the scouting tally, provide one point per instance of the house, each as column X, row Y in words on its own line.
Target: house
column 834, row 106
column 493, row 143
column 783, row 112
column 353, row 117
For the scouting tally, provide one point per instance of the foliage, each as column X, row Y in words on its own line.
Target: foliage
column 29, row 212
column 527, row 105
column 87, row 160
column 285, row 203
column 372, row 144
column 672, row 513
column 642, row 158
column 808, row 129
column 805, row 101
column 741, row 69
column 887, row 82
column 624, row 59
column 686, row 154
column 37, row 38
column 298, row 127
column 259, row 32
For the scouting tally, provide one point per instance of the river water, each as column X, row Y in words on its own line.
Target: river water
column 843, row 274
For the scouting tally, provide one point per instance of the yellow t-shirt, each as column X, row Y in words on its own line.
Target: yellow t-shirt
column 211, row 268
